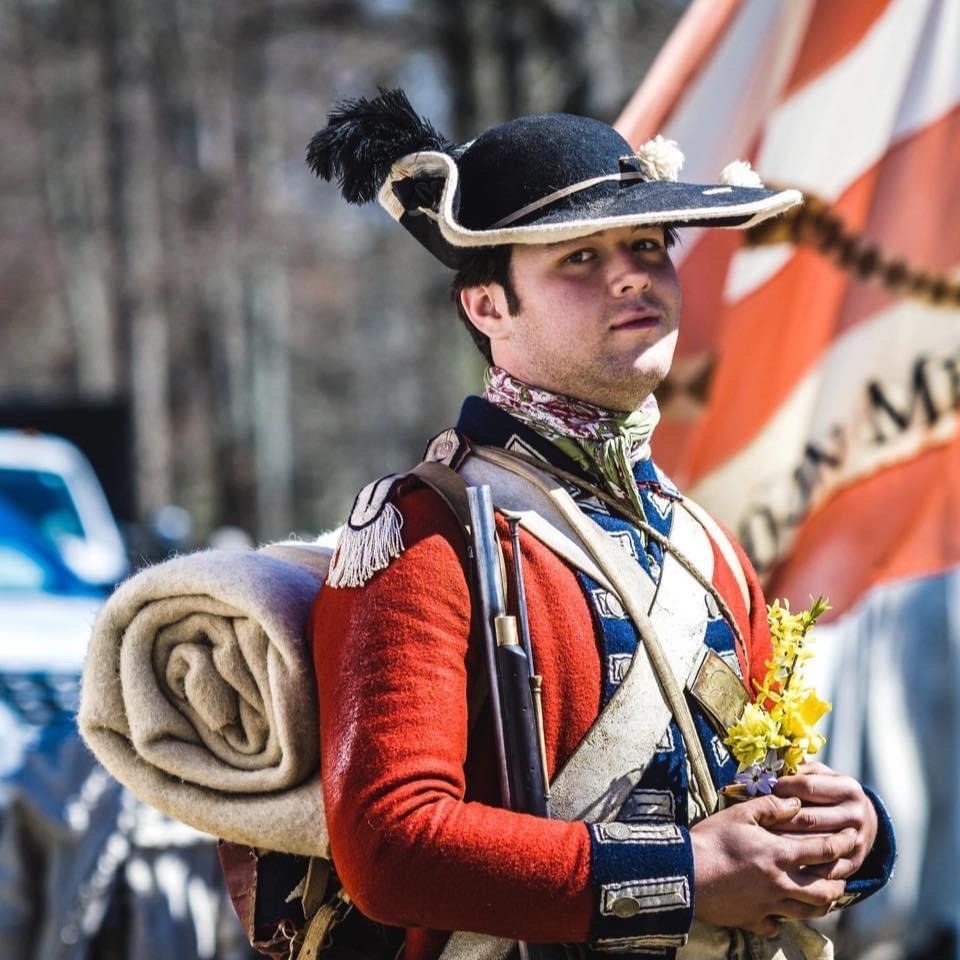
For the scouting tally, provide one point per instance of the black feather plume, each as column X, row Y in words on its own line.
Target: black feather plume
column 364, row 138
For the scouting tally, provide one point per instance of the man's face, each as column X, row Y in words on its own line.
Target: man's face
column 598, row 316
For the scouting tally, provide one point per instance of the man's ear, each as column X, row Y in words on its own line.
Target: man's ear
column 486, row 306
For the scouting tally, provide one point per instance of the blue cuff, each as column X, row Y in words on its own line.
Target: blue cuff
column 642, row 876
column 877, row 868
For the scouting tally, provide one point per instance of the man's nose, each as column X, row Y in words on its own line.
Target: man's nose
column 628, row 273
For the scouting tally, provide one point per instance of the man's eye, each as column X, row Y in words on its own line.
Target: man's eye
column 579, row 256
column 647, row 243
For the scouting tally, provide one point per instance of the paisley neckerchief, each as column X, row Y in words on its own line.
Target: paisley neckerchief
column 604, row 442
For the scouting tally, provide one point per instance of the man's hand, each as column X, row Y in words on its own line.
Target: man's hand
column 747, row 875
column 831, row 802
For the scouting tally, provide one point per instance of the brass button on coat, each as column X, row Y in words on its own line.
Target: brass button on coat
column 625, row 907
column 618, row 831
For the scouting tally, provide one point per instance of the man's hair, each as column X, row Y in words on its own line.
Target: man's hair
column 492, row 265
column 481, row 266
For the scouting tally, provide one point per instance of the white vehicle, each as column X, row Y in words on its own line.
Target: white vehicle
column 51, row 483
column 46, row 614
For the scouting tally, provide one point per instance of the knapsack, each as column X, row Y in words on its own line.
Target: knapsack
column 293, row 906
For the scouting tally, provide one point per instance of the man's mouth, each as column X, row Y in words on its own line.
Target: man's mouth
column 637, row 320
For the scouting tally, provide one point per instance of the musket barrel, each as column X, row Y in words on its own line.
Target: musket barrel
column 492, row 605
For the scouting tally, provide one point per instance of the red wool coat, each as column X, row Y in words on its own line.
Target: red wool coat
column 410, row 781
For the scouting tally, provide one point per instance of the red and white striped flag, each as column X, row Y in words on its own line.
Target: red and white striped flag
column 814, row 402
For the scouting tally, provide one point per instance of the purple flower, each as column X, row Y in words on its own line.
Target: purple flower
column 773, row 762
column 757, row 779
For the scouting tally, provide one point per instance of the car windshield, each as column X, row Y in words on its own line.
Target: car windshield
column 30, row 566
column 21, row 572
column 43, row 499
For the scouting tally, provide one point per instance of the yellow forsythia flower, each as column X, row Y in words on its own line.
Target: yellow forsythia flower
column 785, row 709
column 754, row 735
column 797, row 712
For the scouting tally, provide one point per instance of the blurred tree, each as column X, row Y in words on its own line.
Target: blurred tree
column 162, row 241
column 133, row 154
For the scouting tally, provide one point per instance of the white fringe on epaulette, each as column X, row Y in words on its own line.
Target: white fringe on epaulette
column 362, row 553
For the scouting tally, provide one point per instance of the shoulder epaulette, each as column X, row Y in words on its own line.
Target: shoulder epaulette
column 371, row 538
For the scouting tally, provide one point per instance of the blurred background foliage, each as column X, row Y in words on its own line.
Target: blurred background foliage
column 253, row 348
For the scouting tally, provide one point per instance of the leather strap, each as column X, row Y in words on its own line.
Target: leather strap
column 321, row 924
column 450, row 487
column 447, row 484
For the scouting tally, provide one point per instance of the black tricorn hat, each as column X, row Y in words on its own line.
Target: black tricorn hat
column 541, row 178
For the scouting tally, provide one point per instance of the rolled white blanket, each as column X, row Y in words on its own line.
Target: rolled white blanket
column 198, row 693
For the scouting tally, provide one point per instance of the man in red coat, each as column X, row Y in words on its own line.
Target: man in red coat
column 560, row 235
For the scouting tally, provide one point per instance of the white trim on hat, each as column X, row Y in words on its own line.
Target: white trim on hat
column 565, row 192
column 437, row 164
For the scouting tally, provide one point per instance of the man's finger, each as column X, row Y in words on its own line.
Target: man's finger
column 815, row 766
column 798, row 910
column 817, row 788
column 806, row 851
column 813, row 890
column 840, row 869
column 821, row 819
column 773, row 811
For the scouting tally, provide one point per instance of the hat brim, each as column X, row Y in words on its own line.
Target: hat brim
column 601, row 206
